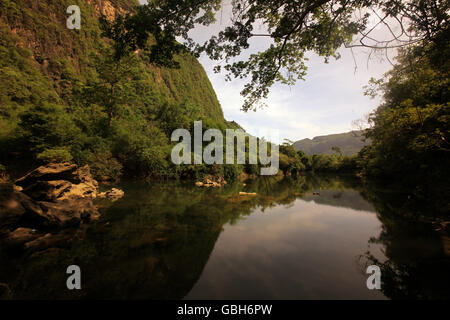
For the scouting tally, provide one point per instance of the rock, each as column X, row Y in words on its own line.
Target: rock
column 53, row 171
column 68, row 213
column 52, row 215
column 55, row 197
column 247, row 194
column 19, row 237
column 87, row 190
column 113, row 194
column 49, row 240
column 11, row 208
column 208, row 183
column 48, row 190
column 83, row 174
column 48, row 204
column 53, row 182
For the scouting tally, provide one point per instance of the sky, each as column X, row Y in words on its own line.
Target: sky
column 327, row 102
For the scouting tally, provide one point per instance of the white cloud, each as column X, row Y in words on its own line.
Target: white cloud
column 327, row 102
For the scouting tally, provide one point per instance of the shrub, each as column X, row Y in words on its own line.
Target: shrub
column 58, row 154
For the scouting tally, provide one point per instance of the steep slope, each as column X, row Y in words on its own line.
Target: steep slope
column 37, row 46
column 350, row 143
column 59, row 99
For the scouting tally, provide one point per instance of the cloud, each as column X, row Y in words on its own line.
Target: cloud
column 327, row 102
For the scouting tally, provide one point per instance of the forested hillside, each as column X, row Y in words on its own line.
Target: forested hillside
column 349, row 143
column 63, row 97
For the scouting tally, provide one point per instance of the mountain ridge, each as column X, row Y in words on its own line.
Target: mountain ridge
column 349, row 143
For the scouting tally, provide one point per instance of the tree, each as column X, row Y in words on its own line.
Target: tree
column 113, row 88
column 294, row 28
column 410, row 130
column 48, row 129
column 337, row 150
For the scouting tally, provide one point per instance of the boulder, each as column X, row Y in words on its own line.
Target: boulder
column 19, row 237
column 86, row 190
column 52, row 171
column 113, row 194
column 52, row 198
column 68, row 213
column 208, row 183
column 48, row 190
column 58, row 182
column 11, row 208
column 49, row 240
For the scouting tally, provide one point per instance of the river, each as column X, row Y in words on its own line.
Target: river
column 306, row 238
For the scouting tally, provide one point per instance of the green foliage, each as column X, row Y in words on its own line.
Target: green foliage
column 231, row 171
column 172, row 117
column 47, row 126
column 101, row 160
column 411, row 129
column 290, row 160
column 58, row 154
column 71, row 97
column 294, row 27
column 293, row 162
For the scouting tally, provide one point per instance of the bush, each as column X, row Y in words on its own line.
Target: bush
column 103, row 164
column 49, row 126
column 231, row 172
column 61, row 154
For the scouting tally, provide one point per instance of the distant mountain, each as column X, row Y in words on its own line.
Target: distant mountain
column 350, row 143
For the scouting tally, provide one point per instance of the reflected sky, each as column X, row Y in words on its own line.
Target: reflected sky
column 303, row 250
column 175, row 241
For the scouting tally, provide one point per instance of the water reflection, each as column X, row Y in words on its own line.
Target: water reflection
column 176, row 241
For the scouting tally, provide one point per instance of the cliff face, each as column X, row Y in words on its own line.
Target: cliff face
column 63, row 97
column 42, row 60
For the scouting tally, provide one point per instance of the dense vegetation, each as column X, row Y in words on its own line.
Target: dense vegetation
column 111, row 93
column 293, row 162
column 410, row 130
column 63, row 96
column 292, row 27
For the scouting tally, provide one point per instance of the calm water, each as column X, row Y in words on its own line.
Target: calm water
column 175, row 241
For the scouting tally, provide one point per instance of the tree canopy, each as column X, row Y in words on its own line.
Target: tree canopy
column 294, row 28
